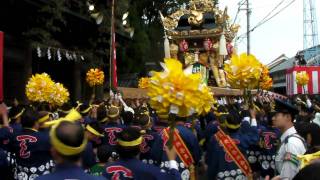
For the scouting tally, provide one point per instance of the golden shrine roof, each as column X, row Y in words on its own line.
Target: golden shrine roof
column 200, row 19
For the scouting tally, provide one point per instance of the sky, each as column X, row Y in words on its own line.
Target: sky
column 283, row 34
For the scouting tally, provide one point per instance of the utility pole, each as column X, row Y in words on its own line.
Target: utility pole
column 248, row 27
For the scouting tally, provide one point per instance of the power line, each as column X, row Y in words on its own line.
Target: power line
column 266, row 20
column 276, row 7
column 240, row 4
column 282, row 9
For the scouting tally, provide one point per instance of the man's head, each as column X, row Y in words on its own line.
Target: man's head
column 85, row 109
column 102, row 114
column 15, row 113
column 143, row 121
column 232, row 121
column 104, row 154
column 43, row 116
column 310, row 172
column 94, row 130
column 29, row 118
column 68, row 142
column 129, row 141
column 113, row 113
column 284, row 115
column 64, row 109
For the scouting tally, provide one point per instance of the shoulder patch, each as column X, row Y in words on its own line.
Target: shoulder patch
column 291, row 158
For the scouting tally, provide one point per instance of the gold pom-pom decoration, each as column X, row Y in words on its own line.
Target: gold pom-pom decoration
column 178, row 91
column 265, row 80
column 267, row 83
column 95, row 77
column 243, row 71
column 60, row 95
column 143, row 82
column 302, row 78
column 39, row 88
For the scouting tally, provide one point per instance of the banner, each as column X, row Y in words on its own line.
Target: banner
column 311, row 88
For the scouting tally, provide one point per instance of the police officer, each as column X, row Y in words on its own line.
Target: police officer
column 292, row 144
column 129, row 167
column 68, row 142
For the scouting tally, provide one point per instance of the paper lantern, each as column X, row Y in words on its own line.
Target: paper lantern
column 183, row 46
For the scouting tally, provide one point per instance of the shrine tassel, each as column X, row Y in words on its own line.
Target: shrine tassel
column 223, row 45
column 166, row 47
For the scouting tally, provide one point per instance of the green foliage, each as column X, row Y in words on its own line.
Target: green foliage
column 49, row 21
column 147, row 42
column 145, row 46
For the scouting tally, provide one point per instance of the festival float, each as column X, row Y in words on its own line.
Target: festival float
column 200, row 37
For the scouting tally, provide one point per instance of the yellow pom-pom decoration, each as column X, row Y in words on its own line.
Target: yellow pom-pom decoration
column 267, row 83
column 302, row 78
column 143, row 83
column 60, row 95
column 265, row 80
column 243, row 71
column 95, row 77
column 178, row 91
column 39, row 88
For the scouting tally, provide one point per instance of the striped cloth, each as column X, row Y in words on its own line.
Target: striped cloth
column 314, row 80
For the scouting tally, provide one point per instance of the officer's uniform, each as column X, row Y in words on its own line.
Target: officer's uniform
column 292, row 144
column 135, row 169
column 32, row 150
column 68, row 171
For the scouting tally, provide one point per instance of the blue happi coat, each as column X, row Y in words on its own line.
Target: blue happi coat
column 262, row 156
column 220, row 164
column 192, row 144
column 111, row 130
column 69, row 171
column 135, row 169
column 32, row 153
column 150, row 146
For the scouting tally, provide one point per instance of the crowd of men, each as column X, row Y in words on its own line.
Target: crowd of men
column 127, row 139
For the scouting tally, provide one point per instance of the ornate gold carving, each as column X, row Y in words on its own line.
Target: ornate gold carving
column 196, row 11
column 202, row 5
column 195, row 18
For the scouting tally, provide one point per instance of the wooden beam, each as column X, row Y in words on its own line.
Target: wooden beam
column 142, row 93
